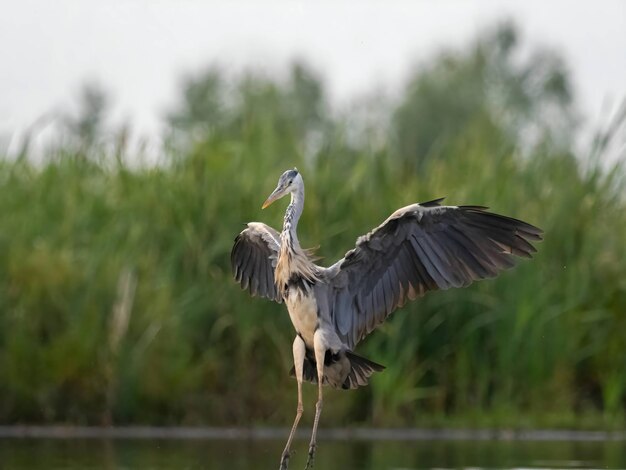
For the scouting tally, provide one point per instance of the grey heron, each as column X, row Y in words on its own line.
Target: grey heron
column 419, row 248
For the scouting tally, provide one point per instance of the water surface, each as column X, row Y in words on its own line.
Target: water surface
column 144, row 454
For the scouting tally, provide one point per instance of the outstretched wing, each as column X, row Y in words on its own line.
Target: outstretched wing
column 253, row 260
column 419, row 248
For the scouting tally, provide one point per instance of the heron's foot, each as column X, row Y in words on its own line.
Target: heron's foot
column 311, row 459
column 284, row 461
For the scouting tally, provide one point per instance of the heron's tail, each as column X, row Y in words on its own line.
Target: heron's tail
column 360, row 370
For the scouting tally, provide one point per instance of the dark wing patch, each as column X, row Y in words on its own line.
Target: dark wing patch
column 420, row 248
column 253, row 260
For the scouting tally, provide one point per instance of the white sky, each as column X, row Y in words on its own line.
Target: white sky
column 139, row 49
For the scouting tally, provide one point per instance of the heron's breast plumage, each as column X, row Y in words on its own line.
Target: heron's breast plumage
column 293, row 265
column 303, row 311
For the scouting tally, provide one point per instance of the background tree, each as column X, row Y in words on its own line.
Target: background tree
column 518, row 102
column 87, row 127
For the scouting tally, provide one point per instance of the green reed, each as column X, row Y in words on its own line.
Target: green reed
column 545, row 339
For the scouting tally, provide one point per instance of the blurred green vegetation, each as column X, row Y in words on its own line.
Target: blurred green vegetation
column 117, row 303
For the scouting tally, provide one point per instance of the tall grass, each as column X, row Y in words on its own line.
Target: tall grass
column 546, row 339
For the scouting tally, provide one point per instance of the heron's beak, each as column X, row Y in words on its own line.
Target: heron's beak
column 277, row 194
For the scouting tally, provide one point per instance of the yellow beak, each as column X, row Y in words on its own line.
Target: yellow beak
column 271, row 198
column 267, row 202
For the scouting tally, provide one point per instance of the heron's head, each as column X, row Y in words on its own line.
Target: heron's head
column 287, row 183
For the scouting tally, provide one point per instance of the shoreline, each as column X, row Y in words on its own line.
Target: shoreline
column 272, row 433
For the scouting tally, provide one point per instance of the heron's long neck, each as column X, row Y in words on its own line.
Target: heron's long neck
column 292, row 259
column 292, row 215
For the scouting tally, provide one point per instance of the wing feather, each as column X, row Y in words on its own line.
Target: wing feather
column 426, row 282
column 474, row 255
column 420, row 248
column 253, row 259
column 388, row 289
column 430, row 263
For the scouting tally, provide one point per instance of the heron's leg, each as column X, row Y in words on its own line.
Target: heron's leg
column 320, row 352
column 298, row 363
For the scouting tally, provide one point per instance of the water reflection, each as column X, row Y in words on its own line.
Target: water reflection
column 35, row 454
